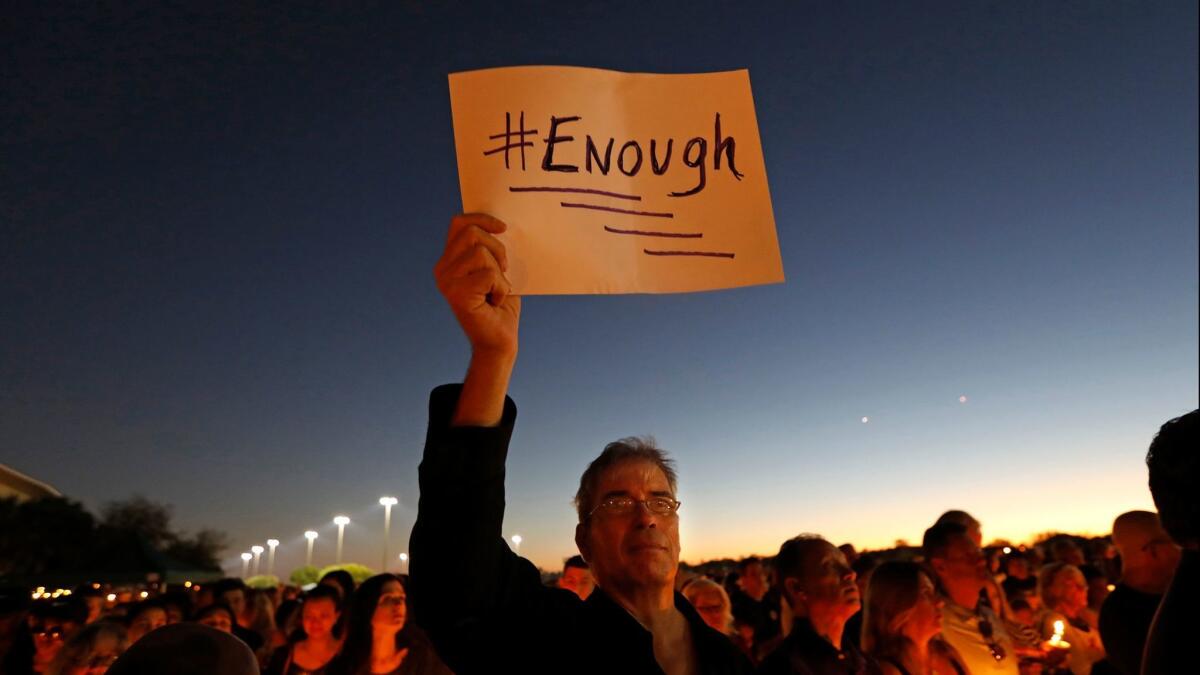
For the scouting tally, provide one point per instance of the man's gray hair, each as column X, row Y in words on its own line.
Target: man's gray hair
column 634, row 448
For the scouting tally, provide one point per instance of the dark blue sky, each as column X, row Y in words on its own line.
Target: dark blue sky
column 218, row 231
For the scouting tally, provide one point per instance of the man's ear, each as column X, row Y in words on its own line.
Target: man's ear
column 581, row 542
column 938, row 565
column 792, row 590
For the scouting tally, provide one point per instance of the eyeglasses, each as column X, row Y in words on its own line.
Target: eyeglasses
column 623, row 506
column 48, row 633
column 997, row 650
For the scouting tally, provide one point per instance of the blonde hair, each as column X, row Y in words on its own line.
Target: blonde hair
column 699, row 586
column 1048, row 578
column 82, row 646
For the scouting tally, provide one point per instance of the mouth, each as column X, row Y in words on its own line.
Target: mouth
column 648, row 548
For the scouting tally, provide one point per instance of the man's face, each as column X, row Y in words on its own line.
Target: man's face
column 148, row 620
column 828, row 588
column 48, row 637
column 637, row 549
column 577, row 580
column 219, row 620
column 753, row 580
column 964, row 568
column 236, row 599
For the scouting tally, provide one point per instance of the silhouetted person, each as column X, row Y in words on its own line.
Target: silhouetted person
column 752, row 602
column 1174, row 465
column 1148, row 559
column 187, row 649
column 484, row 606
column 231, row 592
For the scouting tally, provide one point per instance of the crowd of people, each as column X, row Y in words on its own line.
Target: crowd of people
column 624, row 605
column 335, row 627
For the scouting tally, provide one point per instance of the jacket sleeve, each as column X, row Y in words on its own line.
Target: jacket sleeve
column 465, row 581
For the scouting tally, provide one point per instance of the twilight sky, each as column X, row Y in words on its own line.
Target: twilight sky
column 217, row 234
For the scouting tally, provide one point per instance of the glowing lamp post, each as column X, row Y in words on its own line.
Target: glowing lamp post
column 311, row 536
column 271, row 544
column 341, row 522
column 388, row 503
column 404, row 563
column 516, row 540
column 246, row 564
column 257, row 550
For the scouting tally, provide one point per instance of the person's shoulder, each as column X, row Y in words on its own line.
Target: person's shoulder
column 886, row 668
column 778, row 661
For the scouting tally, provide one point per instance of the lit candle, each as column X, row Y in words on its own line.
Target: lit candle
column 1056, row 639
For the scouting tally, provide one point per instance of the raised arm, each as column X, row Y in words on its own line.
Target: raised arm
column 470, row 274
column 468, row 588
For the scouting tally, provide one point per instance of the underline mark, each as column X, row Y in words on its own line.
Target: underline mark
column 606, row 193
column 653, row 214
column 707, row 254
column 680, row 235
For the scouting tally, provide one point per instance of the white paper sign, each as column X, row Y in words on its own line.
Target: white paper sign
column 617, row 182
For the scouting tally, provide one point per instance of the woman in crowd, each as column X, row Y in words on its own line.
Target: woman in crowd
column 262, row 622
column 145, row 617
column 316, row 645
column 379, row 639
column 713, row 605
column 902, row 623
column 344, row 583
column 218, row 616
column 90, row 651
column 1065, row 598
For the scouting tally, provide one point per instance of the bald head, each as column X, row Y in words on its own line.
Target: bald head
column 1148, row 556
column 1134, row 529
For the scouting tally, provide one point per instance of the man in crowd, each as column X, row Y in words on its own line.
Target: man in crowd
column 1148, row 559
column 967, row 624
column 577, row 577
column 819, row 587
column 486, row 608
column 752, row 604
column 232, row 593
column 1174, row 468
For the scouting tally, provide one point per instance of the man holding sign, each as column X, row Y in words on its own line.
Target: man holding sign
column 485, row 607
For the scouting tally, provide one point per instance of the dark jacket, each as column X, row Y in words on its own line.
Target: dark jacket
column 804, row 652
column 484, row 607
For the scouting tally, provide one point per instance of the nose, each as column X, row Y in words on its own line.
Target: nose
column 643, row 516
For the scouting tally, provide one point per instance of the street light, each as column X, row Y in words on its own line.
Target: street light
column 388, row 503
column 272, row 543
column 404, row 563
column 516, row 540
column 341, row 522
column 311, row 536
column 257, row 555
column 246, row 564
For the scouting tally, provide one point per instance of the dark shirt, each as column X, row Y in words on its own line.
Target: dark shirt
column 852, row 633
column 807, row 653
column 762, row 615
column 252, row 639
column 484, row 607
column 1124, row 622
column 1013, row 586
column 1173, row 631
